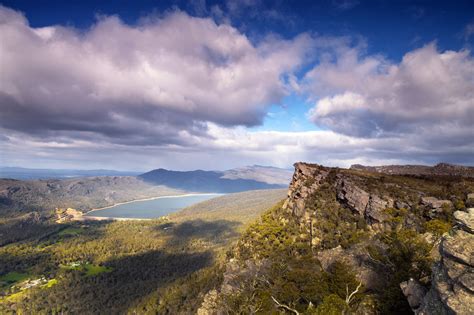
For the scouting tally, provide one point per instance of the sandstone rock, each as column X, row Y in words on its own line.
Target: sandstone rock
column 467, row 280
column 434, row 203
column 459, row 247
column 465, row 220
column 306, row 180
column 375, row 209
column 452, row 283
column 414, row 292
column 353, row 196
column 401, row 205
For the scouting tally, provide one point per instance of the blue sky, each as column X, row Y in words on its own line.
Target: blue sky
column 391, row 27
column 103, row 84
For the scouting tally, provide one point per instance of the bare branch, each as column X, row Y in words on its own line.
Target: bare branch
column 350, row 296
column 286, row 307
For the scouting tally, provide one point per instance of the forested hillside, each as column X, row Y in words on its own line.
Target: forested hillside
column 19, row 197
column 157, row 266
column 348, row 241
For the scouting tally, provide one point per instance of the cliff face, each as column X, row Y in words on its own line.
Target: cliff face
column 368, row 205
column 352, row 230
column 452, row 289
column 305, row 181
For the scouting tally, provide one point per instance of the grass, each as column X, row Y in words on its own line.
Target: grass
column 70, row 231
column 243, row 207
column 50, row 283
column 18, row 296
column 15, row 297
column 13, row 277
column 93, row 270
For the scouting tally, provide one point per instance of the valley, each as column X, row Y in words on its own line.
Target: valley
column 234, row 157
column 339, row 240
column 87, row 263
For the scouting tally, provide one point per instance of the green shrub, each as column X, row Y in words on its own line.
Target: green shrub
column 331, row 305
column 437, row 227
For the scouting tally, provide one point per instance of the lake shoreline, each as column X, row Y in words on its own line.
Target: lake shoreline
column 87, row 216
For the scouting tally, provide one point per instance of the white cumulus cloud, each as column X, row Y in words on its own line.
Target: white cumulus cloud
column 142, row 83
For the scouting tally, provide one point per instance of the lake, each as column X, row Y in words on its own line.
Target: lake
column 152, row 208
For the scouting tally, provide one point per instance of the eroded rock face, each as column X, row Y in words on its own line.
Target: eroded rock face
column 354, row 197
column 452, row 288
column 306, row 180
column 369, row 206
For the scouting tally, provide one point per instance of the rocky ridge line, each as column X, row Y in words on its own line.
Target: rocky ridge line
column 441, row 169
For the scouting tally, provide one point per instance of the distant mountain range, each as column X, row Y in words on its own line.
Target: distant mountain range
column 38, row 173
column 248, row 178
column 76, row 189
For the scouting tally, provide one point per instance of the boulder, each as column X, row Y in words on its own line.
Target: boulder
column 465, row 220
column 452, row 282
column 375, row 209
column 414, row 293
column 459, row 247
column 401, row 205
column 435, row 205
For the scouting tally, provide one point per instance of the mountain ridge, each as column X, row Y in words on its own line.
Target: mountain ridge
column 440, row 169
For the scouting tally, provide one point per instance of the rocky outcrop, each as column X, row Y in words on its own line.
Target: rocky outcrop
column 452, row 284
column 435, row 206
column 306, row 180
column 414, row 292
column 354, row 197
column 369, row 206
column 441, row 169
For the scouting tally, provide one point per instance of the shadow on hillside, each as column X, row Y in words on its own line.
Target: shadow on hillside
column 216, row 232
column 26, row 229
column 132, row 278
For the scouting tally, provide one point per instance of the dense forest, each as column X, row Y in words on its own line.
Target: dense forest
column 162, row 265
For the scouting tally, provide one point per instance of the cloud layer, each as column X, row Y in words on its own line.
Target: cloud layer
column 146, row 84
column 179, row 91
column 429, row 95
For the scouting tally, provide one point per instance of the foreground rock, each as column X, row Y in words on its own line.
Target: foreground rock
column 452, row 288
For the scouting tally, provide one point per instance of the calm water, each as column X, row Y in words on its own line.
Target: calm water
column 155, row 208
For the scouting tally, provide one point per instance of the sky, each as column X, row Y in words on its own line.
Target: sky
column 138, row 85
